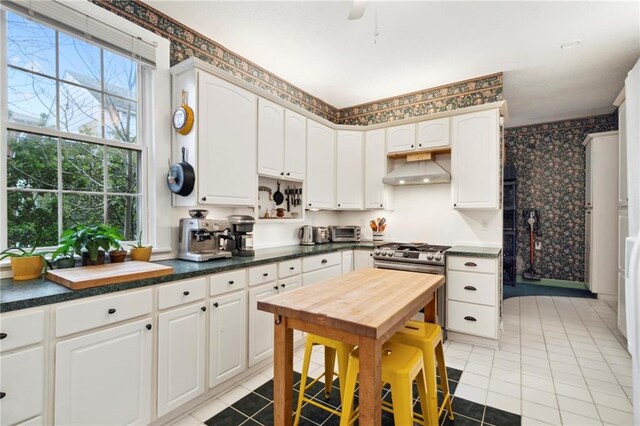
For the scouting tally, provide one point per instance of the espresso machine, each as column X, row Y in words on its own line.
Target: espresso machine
column 199, row 238
column 241, row 242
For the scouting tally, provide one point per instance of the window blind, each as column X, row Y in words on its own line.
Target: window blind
column 69, row 20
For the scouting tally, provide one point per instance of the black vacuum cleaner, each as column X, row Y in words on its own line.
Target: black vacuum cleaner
column 532, row 218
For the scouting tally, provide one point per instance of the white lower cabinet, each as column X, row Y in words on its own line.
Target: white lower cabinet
column 362, row 259
column 227, row 337
column 181, row 356
column 21, row 385
column 347, row 261
column 104, row 377
column 260, row 324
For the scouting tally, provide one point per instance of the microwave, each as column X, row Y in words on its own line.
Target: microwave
column 345, row 234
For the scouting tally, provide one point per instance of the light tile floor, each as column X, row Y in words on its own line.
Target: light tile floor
column 562, row 361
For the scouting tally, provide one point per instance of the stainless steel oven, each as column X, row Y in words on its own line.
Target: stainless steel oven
column 421, row 258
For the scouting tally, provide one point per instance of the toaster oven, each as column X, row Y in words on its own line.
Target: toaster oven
column 345, row 234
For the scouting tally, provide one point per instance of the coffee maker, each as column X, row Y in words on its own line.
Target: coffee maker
column 241, row 242
column 199, row 238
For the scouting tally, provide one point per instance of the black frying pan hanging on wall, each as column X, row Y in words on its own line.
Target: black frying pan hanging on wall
column 181, row 177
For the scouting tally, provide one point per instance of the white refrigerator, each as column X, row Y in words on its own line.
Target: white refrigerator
column 632, row 253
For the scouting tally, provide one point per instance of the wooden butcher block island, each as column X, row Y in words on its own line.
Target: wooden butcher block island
column 362, row 308
column 111, row 273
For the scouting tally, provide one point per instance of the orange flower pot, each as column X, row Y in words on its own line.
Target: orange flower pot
column 26, row 268
column 141, row 253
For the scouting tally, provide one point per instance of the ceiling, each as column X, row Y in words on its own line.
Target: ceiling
column 312, row 45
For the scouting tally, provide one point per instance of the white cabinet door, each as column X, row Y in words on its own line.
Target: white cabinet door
column 375, row 168
column 347, row 261
column 227, row 337
column 433, row 134
column 588, row 189
column 226, row 143
column 475, row 164
column 105, row 377
column 295, row 145
column 291, row 284
column 22, row 385
column 588, row 253
column 623, row 195
column 181, row 352
column 321, row 166
column 401, row 138
column 260, row 324
column 349, row 170
column 270, row 138
column 362, row 259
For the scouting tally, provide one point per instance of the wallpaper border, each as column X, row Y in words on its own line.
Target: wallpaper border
column 185, row 43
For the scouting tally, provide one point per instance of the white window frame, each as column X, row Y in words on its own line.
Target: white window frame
column 145, row 122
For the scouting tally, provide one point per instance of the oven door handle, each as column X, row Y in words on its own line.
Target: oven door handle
column 426, row 269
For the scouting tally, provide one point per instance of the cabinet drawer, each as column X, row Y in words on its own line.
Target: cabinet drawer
column 321, row 275
column 229, row 281
column 22, row 329
column 181, row 293
column 289, row 268
column 263, row 274
column 472, row 287
column 312, row 263
column 472, row 319
column 472, row 264
column 79, row 316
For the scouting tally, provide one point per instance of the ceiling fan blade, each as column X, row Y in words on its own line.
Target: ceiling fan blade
column 357, row 9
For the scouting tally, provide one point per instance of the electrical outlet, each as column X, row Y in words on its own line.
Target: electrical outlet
column 538, row 245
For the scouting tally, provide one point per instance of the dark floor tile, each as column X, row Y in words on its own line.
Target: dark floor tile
column 315, row 414
column 333, row 400
column 332, row 421
column 454, row 374
column 452, row 387
column 498, row 417
column 460, row 421
column 467, row 408
column 265, row 416
column 251, row 422
column 227, row 417
column 266, row 390
column 251, row 404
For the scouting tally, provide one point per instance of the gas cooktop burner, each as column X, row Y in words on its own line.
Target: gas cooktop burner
column 412, row 252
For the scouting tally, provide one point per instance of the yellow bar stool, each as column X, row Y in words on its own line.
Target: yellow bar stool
column 401, row 365
column 331, row 349
column 428, row 338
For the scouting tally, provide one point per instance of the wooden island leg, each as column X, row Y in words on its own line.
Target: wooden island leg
column 370, row 381
column 283, row 373
column 430, row 310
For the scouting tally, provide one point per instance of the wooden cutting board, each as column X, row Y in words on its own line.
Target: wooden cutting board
column 110, row 273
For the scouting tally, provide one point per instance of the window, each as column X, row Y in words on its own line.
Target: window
column 72, row 150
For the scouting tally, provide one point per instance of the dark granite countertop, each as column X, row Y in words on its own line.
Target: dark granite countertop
column 15, row 295
column 475, row 251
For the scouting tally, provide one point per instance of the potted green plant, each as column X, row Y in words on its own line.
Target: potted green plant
column 63, row 256
column 139, row 251
column 91, row 242
column 26, row 264
column 118, row 255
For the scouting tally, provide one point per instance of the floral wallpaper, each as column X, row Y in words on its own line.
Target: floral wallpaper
column 550, row 166
column 462, row 94
column 185, row 43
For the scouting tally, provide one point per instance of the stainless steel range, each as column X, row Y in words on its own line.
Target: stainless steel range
column 415, row 257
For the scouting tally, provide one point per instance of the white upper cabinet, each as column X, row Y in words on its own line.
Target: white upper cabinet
column 475, row 151
column 270, row 138
column 295, row 145
column 349, row 170
column 282, row 137
column 401, row 138
column 433, row 134
column 321, row 166
column 226, row 143
column 376, row 194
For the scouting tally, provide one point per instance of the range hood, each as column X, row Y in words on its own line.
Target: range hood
column 417, row 173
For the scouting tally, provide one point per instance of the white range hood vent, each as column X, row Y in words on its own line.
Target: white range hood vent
column 417, row 173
